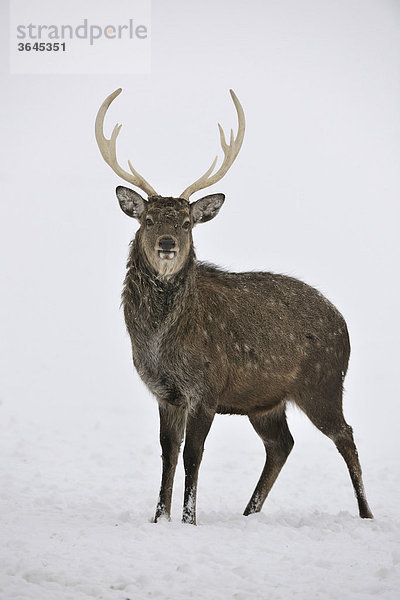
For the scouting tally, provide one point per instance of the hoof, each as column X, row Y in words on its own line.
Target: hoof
column 161, row 516
column 189, row 520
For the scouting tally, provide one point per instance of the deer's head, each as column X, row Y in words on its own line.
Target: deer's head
column 166, row 223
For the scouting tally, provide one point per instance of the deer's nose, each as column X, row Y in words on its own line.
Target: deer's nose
column 166, row 243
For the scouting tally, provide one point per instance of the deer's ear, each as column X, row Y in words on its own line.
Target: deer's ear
column 206, row 208
column 131, row 202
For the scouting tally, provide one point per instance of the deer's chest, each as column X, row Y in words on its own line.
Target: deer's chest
column 159, row 365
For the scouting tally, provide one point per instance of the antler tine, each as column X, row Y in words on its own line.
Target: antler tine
column 230, row 150
column 108, row 151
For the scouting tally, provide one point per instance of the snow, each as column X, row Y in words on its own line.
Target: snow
column 79, row 489
column 313, row 194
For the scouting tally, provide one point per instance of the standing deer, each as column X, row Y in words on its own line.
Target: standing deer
column 205, row 341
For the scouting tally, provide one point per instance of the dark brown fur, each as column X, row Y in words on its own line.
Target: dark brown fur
column 206, row 341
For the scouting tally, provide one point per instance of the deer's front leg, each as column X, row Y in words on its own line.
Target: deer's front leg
column 197, row 427
column 172, row 427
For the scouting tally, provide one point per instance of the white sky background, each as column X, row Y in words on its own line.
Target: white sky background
column 314, row 192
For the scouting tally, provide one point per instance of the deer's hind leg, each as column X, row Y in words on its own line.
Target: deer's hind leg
column 278, row 442
column 324, row 409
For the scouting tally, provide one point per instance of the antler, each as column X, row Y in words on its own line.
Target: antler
column 231, row 151
column 107, row 148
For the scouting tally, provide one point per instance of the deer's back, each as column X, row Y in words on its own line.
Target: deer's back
column 267, row 337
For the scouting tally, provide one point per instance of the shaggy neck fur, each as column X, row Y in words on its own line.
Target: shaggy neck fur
column 150, row 302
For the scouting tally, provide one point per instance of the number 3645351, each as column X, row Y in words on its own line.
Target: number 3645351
column 42, row 46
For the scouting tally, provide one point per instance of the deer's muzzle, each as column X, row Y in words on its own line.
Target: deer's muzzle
column 166, row 247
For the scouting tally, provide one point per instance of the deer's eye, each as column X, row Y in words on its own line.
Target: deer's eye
column 149, row 222
column 186, row 225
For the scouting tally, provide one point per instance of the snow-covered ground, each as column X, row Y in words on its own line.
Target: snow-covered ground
column 80, row 487
column 314, row 193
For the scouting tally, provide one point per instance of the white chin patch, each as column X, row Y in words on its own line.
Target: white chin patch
column 166, row 255
column 167, row 264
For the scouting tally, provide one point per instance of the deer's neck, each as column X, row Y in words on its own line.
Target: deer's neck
column 151, row 303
